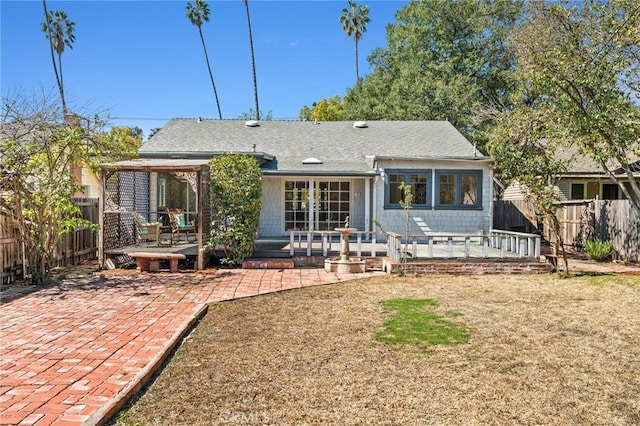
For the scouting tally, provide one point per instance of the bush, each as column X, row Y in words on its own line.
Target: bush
column 599, row 249
column 236, row 191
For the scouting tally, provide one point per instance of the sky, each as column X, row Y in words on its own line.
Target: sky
column 142, row 62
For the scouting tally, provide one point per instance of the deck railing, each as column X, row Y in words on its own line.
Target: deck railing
column 503, row 244
column 498, row 244
column 322, row 241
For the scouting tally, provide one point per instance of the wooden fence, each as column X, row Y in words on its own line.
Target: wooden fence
column 619, row 222
column 74, row 248
column 580, row 221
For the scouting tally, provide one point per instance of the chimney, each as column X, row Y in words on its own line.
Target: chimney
column 72, row 120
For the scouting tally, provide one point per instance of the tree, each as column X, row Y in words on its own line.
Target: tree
column 153, row 131
column 197, row 14
column 405, row 203
column 522, row 154
column 584, row 64
column 58, row 30
column 39, row 152
column 236, row 191
column 252, row 115
column 326, row 110
column 444, row 60
column 253, row 60
column 354, row 22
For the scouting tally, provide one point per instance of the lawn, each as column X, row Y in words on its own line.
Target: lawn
column 537, row 350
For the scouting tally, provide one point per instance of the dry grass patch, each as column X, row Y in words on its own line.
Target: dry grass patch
column 541, row 351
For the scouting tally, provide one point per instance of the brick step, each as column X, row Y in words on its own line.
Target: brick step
column 272, row 263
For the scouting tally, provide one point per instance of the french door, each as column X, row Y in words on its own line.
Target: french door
column 316, row 204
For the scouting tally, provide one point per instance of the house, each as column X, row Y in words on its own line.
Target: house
column 584, row 179
column 318, row 174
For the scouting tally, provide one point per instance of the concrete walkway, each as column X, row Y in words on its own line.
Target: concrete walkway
column 73, row 353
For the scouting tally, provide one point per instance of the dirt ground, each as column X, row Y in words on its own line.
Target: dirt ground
column 542, row 350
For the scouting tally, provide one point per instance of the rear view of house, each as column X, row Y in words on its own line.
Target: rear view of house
column 318, row 174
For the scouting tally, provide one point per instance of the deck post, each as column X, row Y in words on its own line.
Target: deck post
column 373, row 244
column 467, row 240
column 292, row 242
column 485, row 246
column 325, row 247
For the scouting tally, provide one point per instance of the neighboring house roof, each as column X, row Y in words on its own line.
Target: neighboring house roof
column 583, row 165
column 338, row 145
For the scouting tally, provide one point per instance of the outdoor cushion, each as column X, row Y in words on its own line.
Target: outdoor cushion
column 180, row 220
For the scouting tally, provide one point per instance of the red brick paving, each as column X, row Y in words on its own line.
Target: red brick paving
column 72, row 354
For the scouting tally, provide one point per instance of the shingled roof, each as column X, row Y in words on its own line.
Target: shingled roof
column 339, row 146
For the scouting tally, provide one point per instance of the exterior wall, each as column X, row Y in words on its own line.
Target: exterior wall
column 514, row 191
column 357, row 204
column 271, row 210
column 433, row 220
column 90, row 182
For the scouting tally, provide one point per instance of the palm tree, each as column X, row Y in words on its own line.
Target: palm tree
column 59, row 31
column 354, row 20
column 197, row 14
column 253, row 60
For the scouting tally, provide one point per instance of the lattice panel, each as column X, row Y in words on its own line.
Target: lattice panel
column 128, row 192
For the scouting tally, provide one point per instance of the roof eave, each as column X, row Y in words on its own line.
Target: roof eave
column 323, row 173
column 481, row 159
column 203, row 154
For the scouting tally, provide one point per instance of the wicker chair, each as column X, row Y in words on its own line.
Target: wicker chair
column 149, row 231
column 180, row 226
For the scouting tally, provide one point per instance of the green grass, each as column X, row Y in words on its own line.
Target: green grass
column 415, row 324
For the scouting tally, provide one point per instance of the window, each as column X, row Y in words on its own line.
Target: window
column 459, row 189
column 610, row 191
column 420, row 181
column 577, row 191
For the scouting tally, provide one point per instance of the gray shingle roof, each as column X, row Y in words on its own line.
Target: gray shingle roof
column 340, row 146
column 582, row 164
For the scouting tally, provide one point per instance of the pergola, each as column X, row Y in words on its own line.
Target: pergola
column 147, row 188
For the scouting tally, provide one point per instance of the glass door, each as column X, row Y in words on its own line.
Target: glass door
column 326, row 203
column 332, row 204
column 296, row 205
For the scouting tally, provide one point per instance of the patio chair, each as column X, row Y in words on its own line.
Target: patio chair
column 149, row 231
column 179, row 225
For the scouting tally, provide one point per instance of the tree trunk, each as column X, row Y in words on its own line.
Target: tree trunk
column 253, row 61
column 357, row 73
column 53, row 59
column 206, row 56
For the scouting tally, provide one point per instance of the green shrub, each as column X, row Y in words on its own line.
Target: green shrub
column 599, row 249
column 236, row 191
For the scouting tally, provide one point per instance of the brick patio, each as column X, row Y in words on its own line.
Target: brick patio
column 73, row 353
